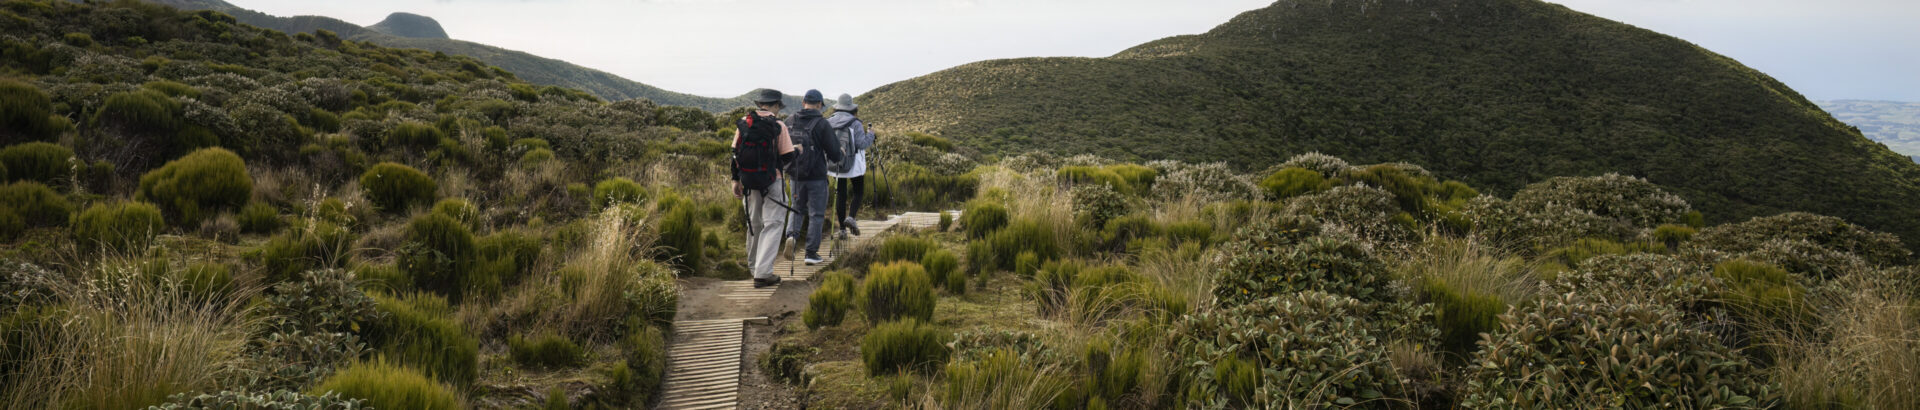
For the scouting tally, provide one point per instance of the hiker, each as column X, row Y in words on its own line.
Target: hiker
column 761, row 148
column 814, row 139
column 851, row 172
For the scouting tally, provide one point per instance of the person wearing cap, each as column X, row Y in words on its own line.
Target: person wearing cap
column 850, row 189
column 766, row 213
column 813, row 136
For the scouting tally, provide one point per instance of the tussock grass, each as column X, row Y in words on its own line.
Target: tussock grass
column 1869, row 361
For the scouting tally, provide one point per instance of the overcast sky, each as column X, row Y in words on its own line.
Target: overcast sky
column 1826, row 49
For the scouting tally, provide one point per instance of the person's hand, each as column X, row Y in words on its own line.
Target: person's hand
column 738, row 190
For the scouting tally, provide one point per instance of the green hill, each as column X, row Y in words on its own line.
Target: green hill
column 403, row 30
column 1896, row 124
column 1499, row 92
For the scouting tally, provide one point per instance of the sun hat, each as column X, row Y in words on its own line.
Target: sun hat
column 845, row 103
column 813, row 96
column 769, row 96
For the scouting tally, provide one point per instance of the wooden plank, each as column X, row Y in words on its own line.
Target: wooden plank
column 693, row 402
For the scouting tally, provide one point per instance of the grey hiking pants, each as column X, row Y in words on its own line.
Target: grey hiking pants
column 766, row 223
column 811, row 198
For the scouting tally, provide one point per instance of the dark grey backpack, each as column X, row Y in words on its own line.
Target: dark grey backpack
column 848, row 148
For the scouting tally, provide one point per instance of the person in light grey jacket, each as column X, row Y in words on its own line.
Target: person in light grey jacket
column 852, row 176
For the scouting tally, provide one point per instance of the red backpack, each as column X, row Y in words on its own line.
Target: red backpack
column 756, row 152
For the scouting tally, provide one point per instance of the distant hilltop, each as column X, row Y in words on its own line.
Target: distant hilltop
column 410, row 25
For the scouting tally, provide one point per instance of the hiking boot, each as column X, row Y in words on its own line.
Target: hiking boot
column 765, row 282
column 814, row 260
column 852, row 225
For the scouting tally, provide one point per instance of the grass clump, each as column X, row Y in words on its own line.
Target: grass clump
column 943, row 267
column 828, row 304
column 384, row 385
column 1292, row 182
column 617, row 191
column 680, row 239
column 123, row 226
column 395, row 188
column 37, row 161
column 439, row 254
column 26, row 113
column 418, row 332
column 897, row 290
column 198, row 185
column 35, row 204
column 983, row 218
column 259, row 218
column 545, row 351
column 905, row 248
column 1023, row 236
column 314, row 244
column 1764, row 293
column 904, row 346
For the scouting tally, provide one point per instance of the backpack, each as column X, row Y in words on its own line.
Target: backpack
column 756, row 152
column 807, row 165
column 848, row 148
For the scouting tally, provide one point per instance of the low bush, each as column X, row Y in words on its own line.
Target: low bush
column 1335, row 266
column 1629, row 205
column 946, row 218
column 1079, row 175
column 1370, row 212
column 419, row 332
column 940, row 265
column 26, row 113
column 982, row 218
column 980, row 258
column 646, row 353
column 535, row 158
column 680, row 239
column 310, row 245
column 905, row 248
column 259, row 218
column 276, row 400
column 439, row 253
column 1119, row 232
column 1052, row 282
column 1568, row 352
column 395, row 188
column 417, row 135
column 1023, row 236
column 505, row 257
column 907, row 345
column 1327, row 165
column 387, row 386
column 1765, row 294
column 1303, row 349
column 1027, row 264
column 1673, row 235
column 546, row 351
column 1000, row 378
column 1094, row 205
column 41, row 162
column 1196, row 232
column 1292, row 182
column 617, row 191
column 897, row 290
column 11, row 225
column 199, row 185
column 35, row 204
column 123, row 226
column 828, row 304
column 1833, row 233
column 460, row 210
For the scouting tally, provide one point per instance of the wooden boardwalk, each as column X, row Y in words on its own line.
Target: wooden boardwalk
column 704, row 364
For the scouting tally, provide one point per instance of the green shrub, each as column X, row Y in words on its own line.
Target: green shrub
column 140, row 112
column 786, row 362
column 1023, row 236
column 1196, row 232
column 418, row 135
column 930, row 141
column 617, row 191
column 907, row 345
column 1139, row 177
column 1673, row 235
column 11, row 224
column 1310, row 348
column 1833, row 233
column 680, row 239
column 1118, row 232
column 1368, row 211
column 1568, row 352
column 1292, row 182
column 828, row 304
column 1027, row 264
column 1255, row 271
column 980, row 258
column 946, row 219
column 305, row 246
column 506, row 256
column 1094, row 205
column 897, row 290
column 1052, row 282
column 419, row 332
column 1764, row 293
column 546, row 351
column 321, row 301
column 439, row 253
column 35, row 204
column 1463, row 315
column 276, row 400
column 259, row 218
column 207, row 281
column 39, row 162
column 905, row 248
column 387, row 386
column 646, row 353
column 199, row 185
column 26, row 113
column 941, row 264
column 983, row 218
column 125, row 226
column 1078, row 175
column 1629, row 203
column 535, row 157
column 395, row 188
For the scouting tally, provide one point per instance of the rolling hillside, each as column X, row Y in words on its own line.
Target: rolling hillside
column 404, row 30
column 1499, row 92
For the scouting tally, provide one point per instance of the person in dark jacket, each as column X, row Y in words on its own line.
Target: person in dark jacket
column 813, row 136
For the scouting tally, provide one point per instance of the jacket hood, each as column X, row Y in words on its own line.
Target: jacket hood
column 807, row 113
column 841, row 119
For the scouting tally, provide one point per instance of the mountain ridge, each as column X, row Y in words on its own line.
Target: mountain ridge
column 1500, row 92
column 532, row 68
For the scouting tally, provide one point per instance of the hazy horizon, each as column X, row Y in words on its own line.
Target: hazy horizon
column 1846, row 49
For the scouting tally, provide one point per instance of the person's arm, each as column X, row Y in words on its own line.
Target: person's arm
column 787, row 151
column 824, row 131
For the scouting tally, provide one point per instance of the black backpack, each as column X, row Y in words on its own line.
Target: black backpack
column 756, row 153
column 808, row 164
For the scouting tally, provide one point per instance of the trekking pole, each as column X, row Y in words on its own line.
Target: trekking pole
column 797, row 243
